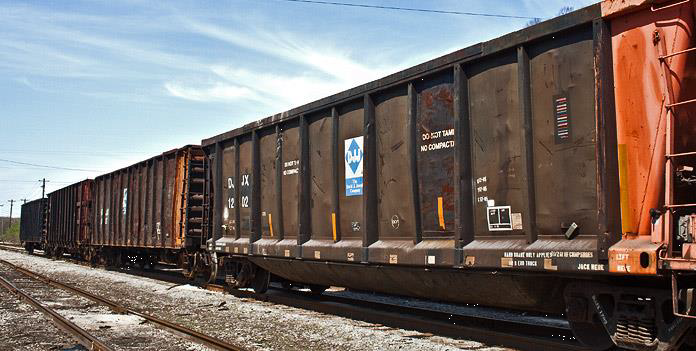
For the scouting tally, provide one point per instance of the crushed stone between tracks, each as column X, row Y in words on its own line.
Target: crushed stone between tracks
column 252, row 324
column 24, row 328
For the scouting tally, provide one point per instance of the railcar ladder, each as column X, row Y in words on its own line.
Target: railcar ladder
column 671, row 156
column 206, row 203
column 194, row 207
column 685, row 296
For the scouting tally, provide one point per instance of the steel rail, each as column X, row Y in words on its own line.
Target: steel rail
column 518, row 335
column 11, row 247
column 194, row 335
column 85, row 338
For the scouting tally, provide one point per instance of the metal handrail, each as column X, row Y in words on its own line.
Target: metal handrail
column 680, row 206
column 677, row 53
column 681, row 103
column 683, row 154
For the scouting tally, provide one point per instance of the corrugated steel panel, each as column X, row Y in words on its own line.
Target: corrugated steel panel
column 435, row 155
column 69, row 224
column 486, row 157
column 474, row 52
column 157, row 203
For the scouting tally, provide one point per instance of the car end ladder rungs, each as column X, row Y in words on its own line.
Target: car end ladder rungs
column 683, row 154
column 677, row 53
column 681, row 103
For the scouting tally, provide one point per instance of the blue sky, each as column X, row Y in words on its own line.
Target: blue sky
column 99, row 85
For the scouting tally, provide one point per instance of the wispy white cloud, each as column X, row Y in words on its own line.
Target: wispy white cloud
column 322, row 57
column 84, row 46
column 284, row 91
column 40, row 42
column 215, row 92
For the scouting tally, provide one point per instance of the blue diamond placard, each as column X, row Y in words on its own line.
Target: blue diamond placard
column 353, row 156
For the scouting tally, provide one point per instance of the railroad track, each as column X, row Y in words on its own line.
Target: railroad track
column 10, row 247
column 11, row 281
column 501, row 332
column 519, row 334
column 7, row 268
column 522, row 334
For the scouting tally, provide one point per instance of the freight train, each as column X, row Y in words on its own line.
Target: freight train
column 548, row 170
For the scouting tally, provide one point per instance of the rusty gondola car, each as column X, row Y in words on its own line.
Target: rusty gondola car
column 69, row 221
column 151, row 211
column 550, row 170
column 32, row 225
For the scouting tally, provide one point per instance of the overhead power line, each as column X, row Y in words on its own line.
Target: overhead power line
column 412, row 9
column 51, row 167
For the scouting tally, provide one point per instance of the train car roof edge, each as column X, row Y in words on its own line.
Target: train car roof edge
column 147, row 159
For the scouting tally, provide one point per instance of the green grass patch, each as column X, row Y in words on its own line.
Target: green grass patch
column 12, row 233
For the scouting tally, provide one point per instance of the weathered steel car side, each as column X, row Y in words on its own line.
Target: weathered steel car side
column 69, row 220
column 32, row 227
column 550, row 170
column 150, row 211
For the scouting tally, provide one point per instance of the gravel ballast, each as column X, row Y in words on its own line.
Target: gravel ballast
column 24, row 328
column 248, row 323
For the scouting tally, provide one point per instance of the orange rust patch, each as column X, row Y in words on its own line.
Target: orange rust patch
column 640, row 92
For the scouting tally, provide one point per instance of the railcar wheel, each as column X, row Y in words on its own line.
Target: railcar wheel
column 262, row 278
column 114, row 260
column 212, row 268
column 188, row 274
column 93, row 257
column 141, row 263
column 592, row 335
column 108, row 259
column 30, row 248
column 150, row 262
column 188, row 265
column 318, row 289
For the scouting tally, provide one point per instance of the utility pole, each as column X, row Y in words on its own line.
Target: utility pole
column 11, row 205
column 43, row 187
column 24, row 201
